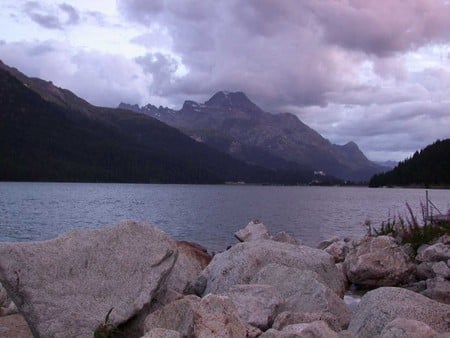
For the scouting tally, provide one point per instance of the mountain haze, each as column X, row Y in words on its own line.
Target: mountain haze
column 231, row 123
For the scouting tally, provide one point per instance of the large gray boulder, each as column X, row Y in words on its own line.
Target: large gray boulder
column 378, row 261
column 256, row 304
column 317, row 329
column 407, row 328
column 339, row 250
column 438, row 289
column 239, row 264
column 381, row 306
column 177, row 316
column 288, row 318
column 192, row 259
column 433, row 253
column 303, row 292
column 254, row 230
column 7, row 306
column 66, row 286
column 162, row 333
column 216, row 316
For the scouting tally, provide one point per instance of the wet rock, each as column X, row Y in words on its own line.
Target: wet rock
column 438, row 289
column 240, row 264
column 192, row 259
column 381, row 306
column 66, row 286
column 217, row 316
column 254, row 230
column 407, row 328
column 434, row 253
column 378, row 261
column 177, row 316
column 256, row 304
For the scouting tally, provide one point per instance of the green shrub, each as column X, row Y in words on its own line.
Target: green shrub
column 408, row 230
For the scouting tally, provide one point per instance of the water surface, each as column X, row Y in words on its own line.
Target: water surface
column 207, row 214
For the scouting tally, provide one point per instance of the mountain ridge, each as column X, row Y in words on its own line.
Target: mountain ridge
column 232, row 123
column 49, row 134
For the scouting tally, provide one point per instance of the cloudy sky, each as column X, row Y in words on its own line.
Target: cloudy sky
column 373, row 71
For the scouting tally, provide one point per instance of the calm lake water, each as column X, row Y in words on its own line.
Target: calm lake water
column 207, row 214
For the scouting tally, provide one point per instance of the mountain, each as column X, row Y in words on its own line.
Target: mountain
column 231, row 123
column 387, row 164
column 49, row 134
column 427, row 167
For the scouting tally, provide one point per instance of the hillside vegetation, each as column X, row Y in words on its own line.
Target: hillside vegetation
column 427, row 167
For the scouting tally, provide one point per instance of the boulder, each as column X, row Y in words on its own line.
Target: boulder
column 342, row 275
column 217, row 316
column 324, row 244
column 7, row 306
column 256, row 304
column 253, row 231
column 407, row 328
column 424, row 270
column 441, row 269
column 192, row 259
column 438, row 289
column 303, row 292
column 65, row 287
column 317, row 329
column 338, row 250
column 434, row 253
column 14, row 326
column 346, row 334
column 284, row 237
column 378, row 261
column 288, row 318
column 162, row 333
column 239, row 264
column 177, row 316
column 381, row 306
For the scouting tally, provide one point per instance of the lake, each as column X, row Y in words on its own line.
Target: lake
column 206, row 214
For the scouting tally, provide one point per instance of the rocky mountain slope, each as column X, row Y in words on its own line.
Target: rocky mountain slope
column 230, row 122
column 48, row 133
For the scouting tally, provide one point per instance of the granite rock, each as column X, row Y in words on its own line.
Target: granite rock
column 65, row 287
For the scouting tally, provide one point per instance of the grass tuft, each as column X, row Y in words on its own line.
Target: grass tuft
column 408, row 230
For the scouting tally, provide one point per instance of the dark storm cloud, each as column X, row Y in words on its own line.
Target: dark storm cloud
column 383, row 27
column 290, row 51
column 52, row 17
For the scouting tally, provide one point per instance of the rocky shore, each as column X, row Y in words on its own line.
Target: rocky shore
column 133, row 280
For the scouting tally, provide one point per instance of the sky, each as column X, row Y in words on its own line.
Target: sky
column 376, row 72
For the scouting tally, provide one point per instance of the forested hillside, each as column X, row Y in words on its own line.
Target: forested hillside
column 427, row 167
